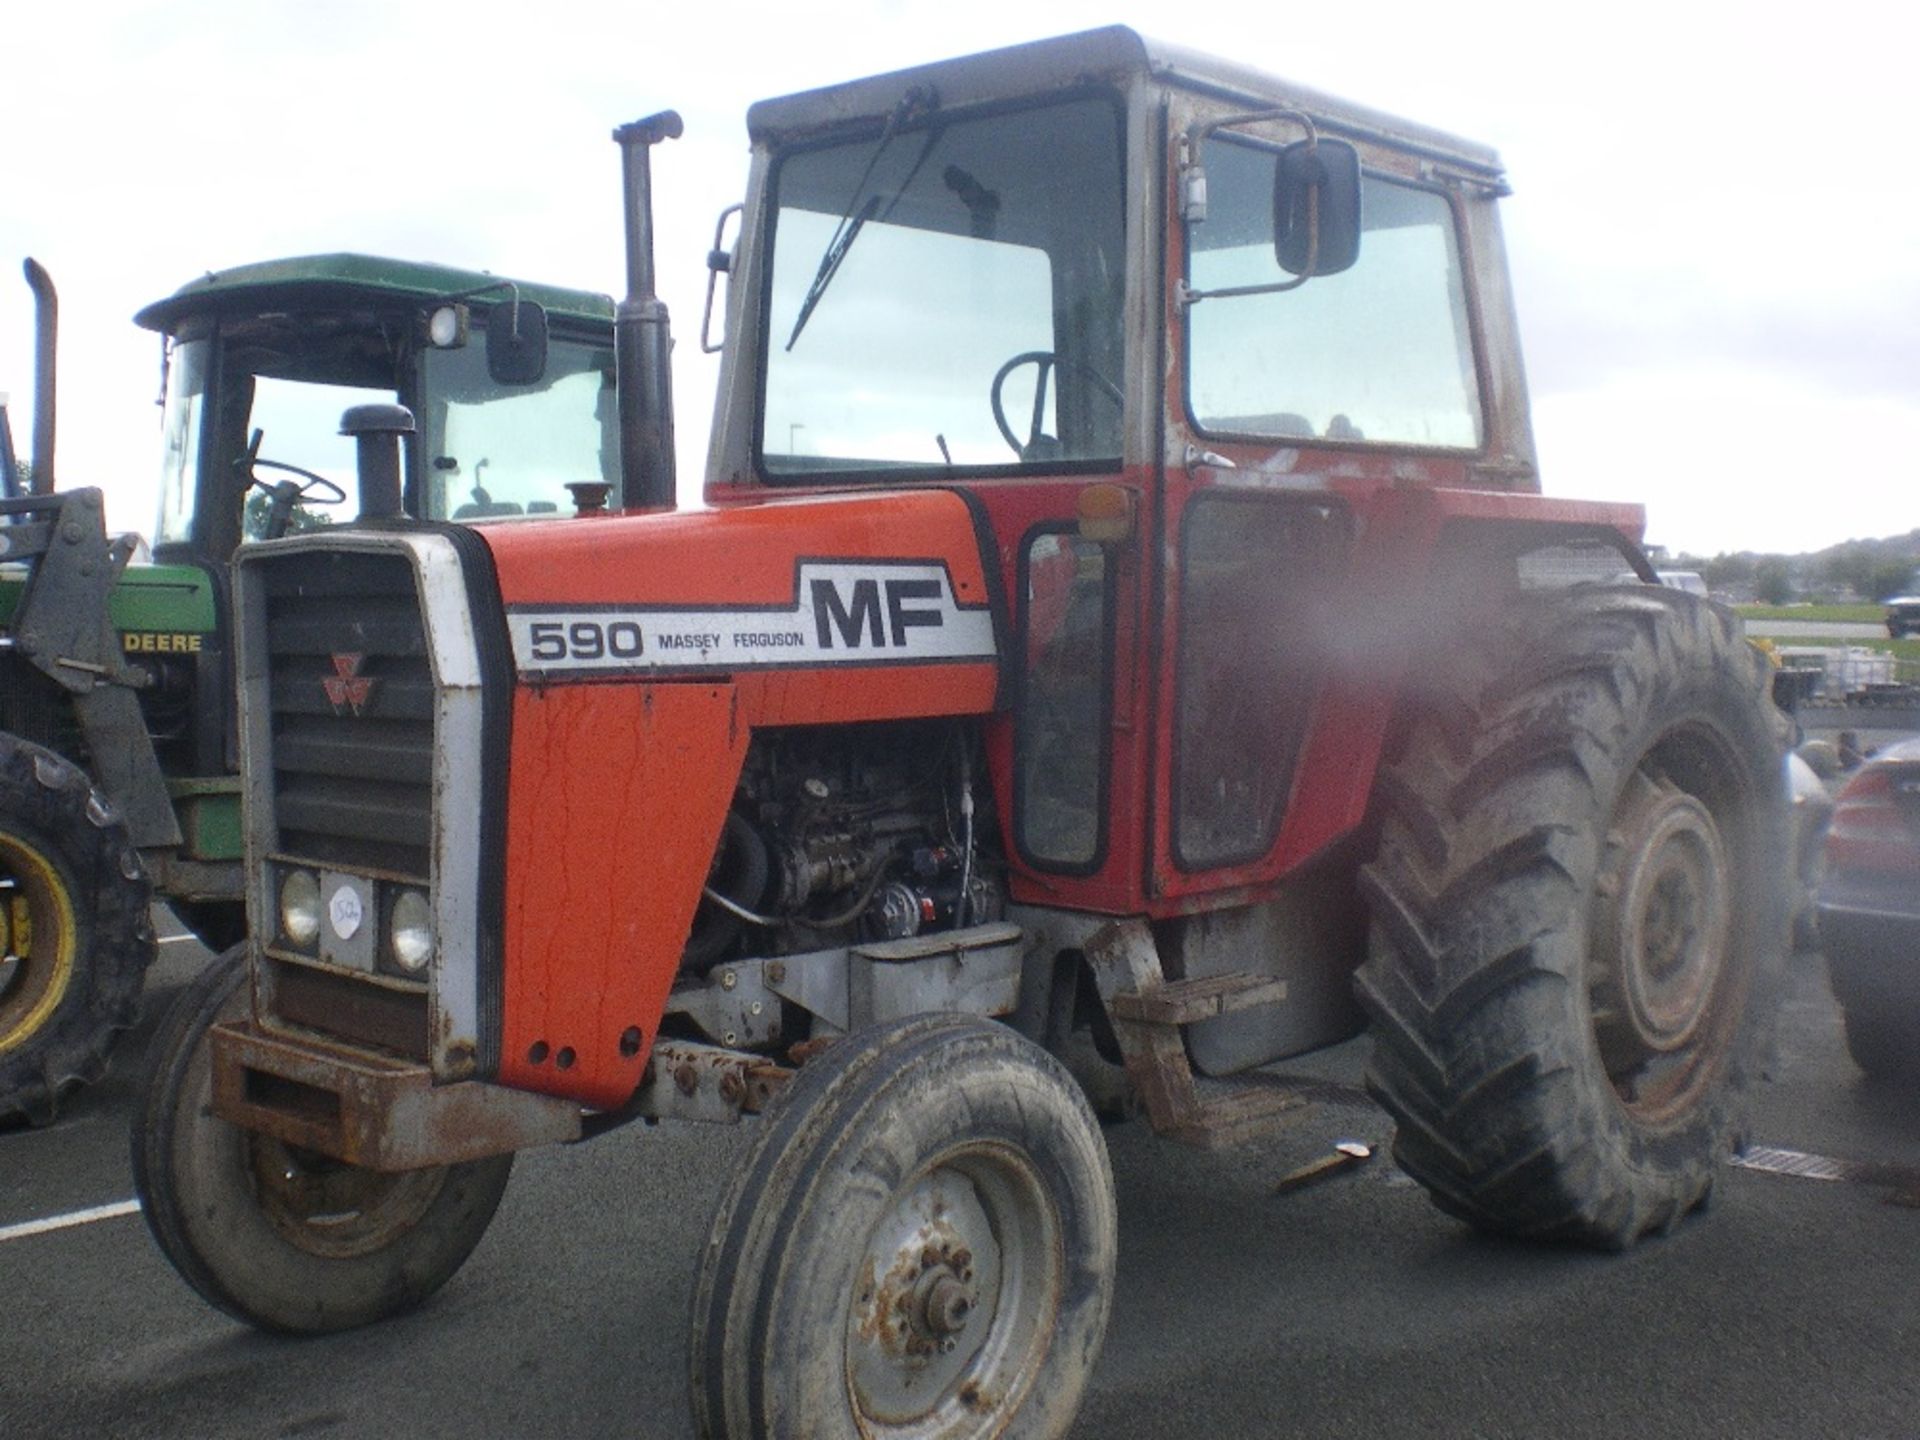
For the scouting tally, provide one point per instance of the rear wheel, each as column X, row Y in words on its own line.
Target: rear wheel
column 920, row 1244
column 274, row 1235
column 1579, row 915
column 75, row 936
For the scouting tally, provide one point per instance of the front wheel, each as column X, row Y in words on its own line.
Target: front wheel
column 1579, row 914
column 921, row 1244
column 274, row 1235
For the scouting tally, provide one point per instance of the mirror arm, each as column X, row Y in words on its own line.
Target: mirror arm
column 513, row 297
column 1183, row 295
column 1197, row 133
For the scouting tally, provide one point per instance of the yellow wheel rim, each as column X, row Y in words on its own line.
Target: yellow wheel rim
column 37, row 941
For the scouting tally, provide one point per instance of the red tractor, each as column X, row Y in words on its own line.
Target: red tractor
column 1125, row 646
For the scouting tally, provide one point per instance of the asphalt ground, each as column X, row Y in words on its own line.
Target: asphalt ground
column 1350, row 1307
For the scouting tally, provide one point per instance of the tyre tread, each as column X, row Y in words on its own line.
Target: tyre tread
column 49, row 800
column 1475, row 971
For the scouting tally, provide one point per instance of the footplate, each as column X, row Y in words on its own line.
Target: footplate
column 1148, row 1012
column 370, row 1110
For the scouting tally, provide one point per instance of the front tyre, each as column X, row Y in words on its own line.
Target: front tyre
column 921, row 1244
column 1579, row 914
column 274, row 1235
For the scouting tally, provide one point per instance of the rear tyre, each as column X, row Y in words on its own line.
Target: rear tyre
column 75, row 935
column 280, row 1237
column 921, row 1243
column 1579, row 915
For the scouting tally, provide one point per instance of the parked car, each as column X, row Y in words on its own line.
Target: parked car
column 1903, row 616
column 1869, row 911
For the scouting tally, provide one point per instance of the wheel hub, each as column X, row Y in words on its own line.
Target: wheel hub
column 953, row 1299
column 942, row 1301
column 37, row 941
column 332, row 1209
column 1662, row 924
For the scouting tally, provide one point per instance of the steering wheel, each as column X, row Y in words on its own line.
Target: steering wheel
column 284, row 494
column 318, row 488
column 1039, row 445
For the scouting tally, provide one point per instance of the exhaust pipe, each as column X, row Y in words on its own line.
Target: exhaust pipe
column 642, row 337
column 46, row 327
column 376, row 431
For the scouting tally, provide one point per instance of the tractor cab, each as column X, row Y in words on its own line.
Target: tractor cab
column 116, row 687
column 511, row 385
column 1213, row 355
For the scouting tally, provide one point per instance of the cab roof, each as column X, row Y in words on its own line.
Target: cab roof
column 1111, row 55
column 330, row 281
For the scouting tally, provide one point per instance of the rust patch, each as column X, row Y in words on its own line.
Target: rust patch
column 801, row 1053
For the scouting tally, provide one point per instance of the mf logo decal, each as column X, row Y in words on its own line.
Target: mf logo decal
column 347, row 688
column 861, row 612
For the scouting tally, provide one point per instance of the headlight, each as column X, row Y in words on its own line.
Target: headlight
column 411, row 941
column 300, row 906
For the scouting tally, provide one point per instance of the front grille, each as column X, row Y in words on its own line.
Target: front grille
column 351, row 701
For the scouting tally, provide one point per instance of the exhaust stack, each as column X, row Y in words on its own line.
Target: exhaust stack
column 46, row 328
column 642, row 336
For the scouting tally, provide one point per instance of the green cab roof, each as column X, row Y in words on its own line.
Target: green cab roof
column 328, row 281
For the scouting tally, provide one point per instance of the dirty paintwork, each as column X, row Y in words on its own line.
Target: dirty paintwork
column 616, row 796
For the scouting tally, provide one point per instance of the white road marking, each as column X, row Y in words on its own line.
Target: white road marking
column 177, row 940
column 67, row 1221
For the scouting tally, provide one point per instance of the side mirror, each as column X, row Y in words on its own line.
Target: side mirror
column 1316, row 207
column 516, row 344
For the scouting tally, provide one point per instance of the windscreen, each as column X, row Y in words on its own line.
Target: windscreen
column 948, row 294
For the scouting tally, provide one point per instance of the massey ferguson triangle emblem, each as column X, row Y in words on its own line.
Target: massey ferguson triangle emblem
column 347, row 688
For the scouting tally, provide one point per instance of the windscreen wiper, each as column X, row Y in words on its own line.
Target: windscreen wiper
column 916, row 101
column 837, row 248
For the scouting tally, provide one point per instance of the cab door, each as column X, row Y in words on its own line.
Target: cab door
column 1300, row 409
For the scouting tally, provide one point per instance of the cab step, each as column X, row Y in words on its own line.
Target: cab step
column 1149, row 1013
column 1186, row 1002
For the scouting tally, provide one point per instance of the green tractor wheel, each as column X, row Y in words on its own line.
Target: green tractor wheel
column 75, row 937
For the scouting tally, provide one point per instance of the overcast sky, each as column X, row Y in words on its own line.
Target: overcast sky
column 1714, row 234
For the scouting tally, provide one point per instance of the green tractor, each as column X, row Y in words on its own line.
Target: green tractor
column 119, row 762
